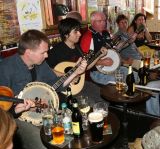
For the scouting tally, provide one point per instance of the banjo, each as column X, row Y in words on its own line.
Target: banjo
column 115, row 48
column 47, row 93
column 114, row 55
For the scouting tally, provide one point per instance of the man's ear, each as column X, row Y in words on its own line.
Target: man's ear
column 27, row 51
column 66, row 36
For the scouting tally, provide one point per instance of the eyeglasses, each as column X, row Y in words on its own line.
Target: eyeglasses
column 99, row 21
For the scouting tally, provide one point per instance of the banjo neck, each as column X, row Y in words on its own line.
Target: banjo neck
column 122, row 45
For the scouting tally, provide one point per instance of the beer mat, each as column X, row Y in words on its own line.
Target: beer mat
column 108, row 130
column 135, row 95
column 67, row 140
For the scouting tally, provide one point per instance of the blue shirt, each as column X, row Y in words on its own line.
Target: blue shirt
column 15, row 74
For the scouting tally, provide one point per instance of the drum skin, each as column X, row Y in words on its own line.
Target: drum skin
column 41, row 91
column 114, row 55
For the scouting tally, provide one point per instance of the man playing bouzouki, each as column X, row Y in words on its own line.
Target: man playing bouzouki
column 68, row 51
column 29, row 65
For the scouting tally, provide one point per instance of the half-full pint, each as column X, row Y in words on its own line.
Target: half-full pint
column 96, row 126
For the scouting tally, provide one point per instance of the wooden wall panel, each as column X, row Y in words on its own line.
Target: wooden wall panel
column 9, row 26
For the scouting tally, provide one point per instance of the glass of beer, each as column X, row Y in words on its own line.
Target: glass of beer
column 58, row 131
column 147, row 58
column 119, row 79
column 156, row 57
column 96, row 126
column 102, row 107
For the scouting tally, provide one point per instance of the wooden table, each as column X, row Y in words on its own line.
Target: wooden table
column 153, row 45
column 110, row 93
column 85, row 140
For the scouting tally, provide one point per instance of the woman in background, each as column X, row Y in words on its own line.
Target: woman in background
column 7, row 129
column 143, row 36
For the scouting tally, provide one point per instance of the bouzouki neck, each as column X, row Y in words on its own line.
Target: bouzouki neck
column 63, row 78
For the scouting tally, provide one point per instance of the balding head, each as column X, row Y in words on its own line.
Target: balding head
column 98, row 21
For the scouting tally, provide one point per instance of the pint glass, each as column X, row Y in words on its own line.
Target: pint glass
column 96, row 126
column 58, row 130
column 102, row 107
column 147, row 58
column 119, row 78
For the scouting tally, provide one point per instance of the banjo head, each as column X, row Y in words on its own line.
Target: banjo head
column 116, row 62
column 41, row 91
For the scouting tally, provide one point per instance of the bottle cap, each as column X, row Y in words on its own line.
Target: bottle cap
column 64, row 105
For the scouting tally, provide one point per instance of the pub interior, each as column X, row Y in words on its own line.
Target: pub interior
column 132, row 52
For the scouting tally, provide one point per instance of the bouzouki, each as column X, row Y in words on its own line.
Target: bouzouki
column 77, row 84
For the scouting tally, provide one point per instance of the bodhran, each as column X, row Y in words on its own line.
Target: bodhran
column 44, row 92
column 114, row 55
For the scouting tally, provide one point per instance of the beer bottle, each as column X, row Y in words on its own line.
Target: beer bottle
column 76, row 121
column 69, row 98
column 142, row 74
column 130, row 81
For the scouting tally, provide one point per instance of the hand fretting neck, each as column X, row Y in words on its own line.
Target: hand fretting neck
column 63, row 78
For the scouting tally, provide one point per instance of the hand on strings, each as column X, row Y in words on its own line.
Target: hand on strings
column 21, row 107
column 104, row 52
column 82, row 67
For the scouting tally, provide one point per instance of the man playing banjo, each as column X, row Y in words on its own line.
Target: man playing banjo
column 97, row 37
column 94, row 39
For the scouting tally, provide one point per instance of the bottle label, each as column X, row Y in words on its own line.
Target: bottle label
column 67, row 125
column 76, row 128
column 134, row 87
column 145, row 80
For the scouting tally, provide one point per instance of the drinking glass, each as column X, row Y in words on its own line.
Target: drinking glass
column 47, row 119
column 147, row 58
column 58, row 130
column 119, row 79
column 84, row 108
column 102, row 107
column 96, row 126
column 157, row 38
column 156, row 57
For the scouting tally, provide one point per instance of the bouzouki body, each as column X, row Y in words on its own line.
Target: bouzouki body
column 77, row 84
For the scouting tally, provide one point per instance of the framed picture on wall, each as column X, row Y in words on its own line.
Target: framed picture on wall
column 29, row 15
